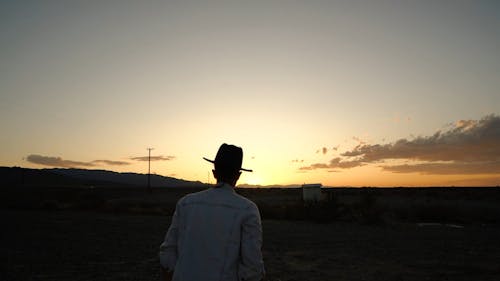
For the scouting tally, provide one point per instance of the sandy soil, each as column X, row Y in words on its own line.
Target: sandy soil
column 73, row 245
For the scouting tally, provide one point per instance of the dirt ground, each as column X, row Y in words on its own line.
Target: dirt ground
column 86, row 245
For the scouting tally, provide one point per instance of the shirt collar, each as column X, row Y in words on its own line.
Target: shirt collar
column 224, row 185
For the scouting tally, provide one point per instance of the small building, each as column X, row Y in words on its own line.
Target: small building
column 311, row 193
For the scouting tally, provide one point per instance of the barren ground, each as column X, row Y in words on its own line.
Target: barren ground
column 88, row 245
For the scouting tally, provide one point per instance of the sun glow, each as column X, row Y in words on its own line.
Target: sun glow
column 305, row 106
column 252, row 180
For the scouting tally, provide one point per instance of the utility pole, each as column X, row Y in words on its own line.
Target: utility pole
column 149, row 168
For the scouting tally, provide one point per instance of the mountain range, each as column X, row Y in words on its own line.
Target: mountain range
column 84, row 177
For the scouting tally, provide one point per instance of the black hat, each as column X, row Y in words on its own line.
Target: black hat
column 229, row 157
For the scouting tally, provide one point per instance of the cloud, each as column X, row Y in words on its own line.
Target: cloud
column 359, row 140
column 322, row 150
column 344, row 164
column 333, row 164
column 466, row 147
column 468, row 141
column 314, row 167
column 59, row 162
column 462, row 168
column 111, row 162
column 56, row 161
column 474, row 181
column 153, row 158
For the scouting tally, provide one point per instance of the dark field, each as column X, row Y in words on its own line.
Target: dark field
column 104, row 236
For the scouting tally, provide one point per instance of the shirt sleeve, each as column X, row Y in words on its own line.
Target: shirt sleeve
column 251, row 267
column 168, row 249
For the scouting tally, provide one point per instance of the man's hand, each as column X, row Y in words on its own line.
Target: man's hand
column 165, row 275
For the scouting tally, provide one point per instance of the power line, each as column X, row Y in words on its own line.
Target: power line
column 149, row 168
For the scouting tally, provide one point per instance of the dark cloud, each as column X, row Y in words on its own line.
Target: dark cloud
column 335, row 163
column 59, row 162
column 468, row 141
column 344, row 164
column 452, row 168
column 56, row 161
column 314, row 167
column 322, row 150
column 467, row 147
column 111, row 162
column 153, row 158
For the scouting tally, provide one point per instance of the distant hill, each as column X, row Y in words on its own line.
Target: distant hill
column 79, row 177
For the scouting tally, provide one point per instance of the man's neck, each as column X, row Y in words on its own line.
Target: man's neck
column 221, row 183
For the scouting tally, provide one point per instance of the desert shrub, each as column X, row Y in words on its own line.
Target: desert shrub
column 322, row 212
column 295, row 211
column 367, row 211
column 272, row 211
column 457, row 212
column 133, row 205
column 89, row 200
column 50, row 205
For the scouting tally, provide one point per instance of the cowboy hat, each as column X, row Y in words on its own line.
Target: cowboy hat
column 229, row 157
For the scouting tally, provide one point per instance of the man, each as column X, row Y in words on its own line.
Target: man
column 215, row 234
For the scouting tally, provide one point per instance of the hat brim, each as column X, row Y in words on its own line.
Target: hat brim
column 213, row 162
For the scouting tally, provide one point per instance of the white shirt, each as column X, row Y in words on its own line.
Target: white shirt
column 215, row 235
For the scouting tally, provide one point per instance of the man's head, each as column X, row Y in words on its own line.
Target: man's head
column 227, row 164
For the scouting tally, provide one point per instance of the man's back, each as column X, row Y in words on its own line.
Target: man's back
column 215, row 235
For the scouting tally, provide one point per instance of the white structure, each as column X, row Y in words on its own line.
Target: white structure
column 311, row 192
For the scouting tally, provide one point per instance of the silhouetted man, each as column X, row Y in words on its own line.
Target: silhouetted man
column 215, row 234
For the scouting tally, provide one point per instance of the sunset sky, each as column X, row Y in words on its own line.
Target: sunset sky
column 343, row 93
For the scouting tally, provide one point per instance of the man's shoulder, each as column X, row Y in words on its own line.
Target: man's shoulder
column 193, row 196
column 245, row 201
column 210, row 195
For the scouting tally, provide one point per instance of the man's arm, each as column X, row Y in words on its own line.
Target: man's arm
column 168, row 249
column 251, row 266
column 165, row 275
